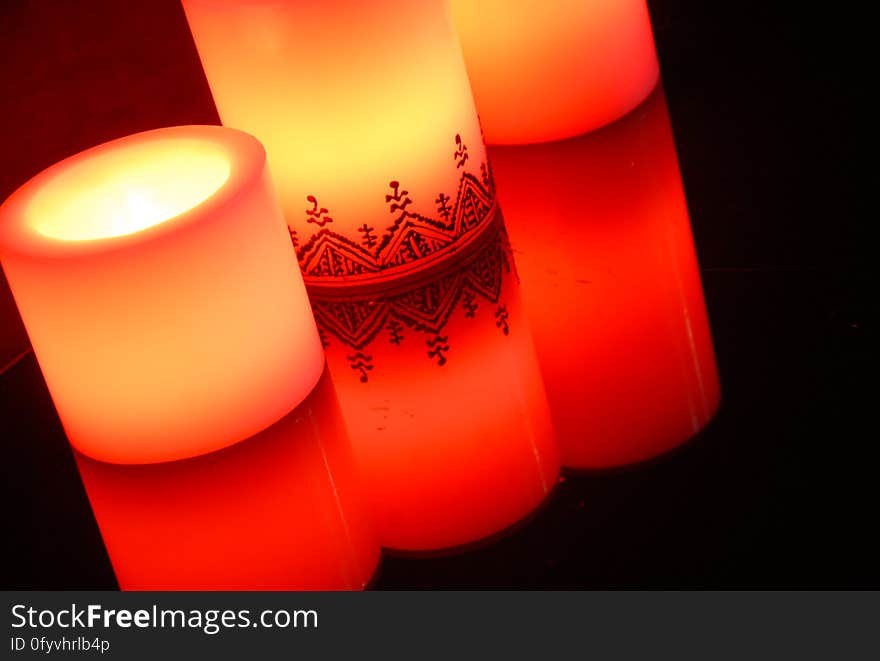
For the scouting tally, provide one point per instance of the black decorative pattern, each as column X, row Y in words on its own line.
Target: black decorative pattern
column 437, row 347
column 363, row 288
column 425, row 307
column 317, row 215
column 361, row 362
column 470, row 307
column 461, row 152
column 395, row 329
column 322, row 335
column 502, row 318
column 369, row 237
column 328, row 256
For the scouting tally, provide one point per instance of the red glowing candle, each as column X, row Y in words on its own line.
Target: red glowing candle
column 612, row 288
column 149, row 273
column 367, row 117
column 549, row 70
column 155, row 277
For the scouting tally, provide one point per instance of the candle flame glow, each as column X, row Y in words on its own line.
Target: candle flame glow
column 118, row 193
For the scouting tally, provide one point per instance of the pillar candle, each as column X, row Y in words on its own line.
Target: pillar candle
column 370, row 128
column 550, row 69
column 612, row 288
column 157, row 283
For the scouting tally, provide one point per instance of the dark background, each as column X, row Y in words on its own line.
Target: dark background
column 779, row 491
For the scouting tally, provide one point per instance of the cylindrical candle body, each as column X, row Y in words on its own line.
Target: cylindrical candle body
column 279, row 511
column 549, row 69
column 612, row 288
column 158, row 285
column 441, row 389
column 155, row 278
column 370, row 129
column 367, row 118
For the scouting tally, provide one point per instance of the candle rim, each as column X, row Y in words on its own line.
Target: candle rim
column 128, row 190
column 18, row 234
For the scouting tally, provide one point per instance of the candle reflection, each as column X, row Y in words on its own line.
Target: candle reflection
column 442, row 394
column 278, row 511
column 611, row 286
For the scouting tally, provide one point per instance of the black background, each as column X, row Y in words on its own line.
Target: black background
column 779, row 490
